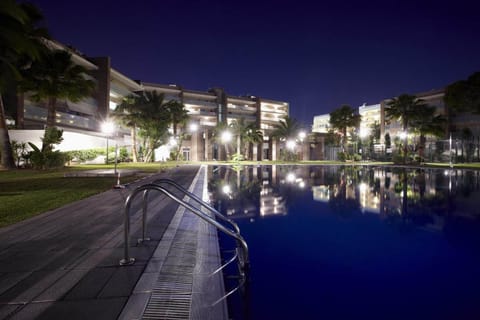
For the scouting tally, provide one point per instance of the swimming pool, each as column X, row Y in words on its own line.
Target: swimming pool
column 345, row 242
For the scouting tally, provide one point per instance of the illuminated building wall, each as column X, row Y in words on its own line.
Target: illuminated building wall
column 205, row 108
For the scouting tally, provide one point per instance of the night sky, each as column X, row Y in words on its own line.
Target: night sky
column 317, row 55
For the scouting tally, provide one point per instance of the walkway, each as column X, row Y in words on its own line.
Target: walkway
column 64, row 264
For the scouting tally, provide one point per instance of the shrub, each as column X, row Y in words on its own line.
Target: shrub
column 46, row 158
column 342, row 156
column 85, row 155
column 397, row 159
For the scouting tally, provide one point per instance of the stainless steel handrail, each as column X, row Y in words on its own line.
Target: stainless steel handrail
column 199, row 201
column 127, row 260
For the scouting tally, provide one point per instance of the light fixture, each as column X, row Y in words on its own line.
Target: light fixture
column 290, row 144
column 226, row 136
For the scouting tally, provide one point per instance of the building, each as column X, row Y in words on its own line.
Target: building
column 207, row 109
column 82, row 121
column 321, row 124
column 461, row 125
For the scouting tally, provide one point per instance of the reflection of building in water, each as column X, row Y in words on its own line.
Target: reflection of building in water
column 321, row 193
column 271, row 203
column 248, row 193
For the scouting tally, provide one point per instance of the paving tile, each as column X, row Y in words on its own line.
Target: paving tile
column 122, row 282
column 98, row 309
column 30, row 287
column 8, row 280
column 146, row 282
column 7, row 310
column 61, row 287
column 91, row 284
column 66, row 260
column 135, row 307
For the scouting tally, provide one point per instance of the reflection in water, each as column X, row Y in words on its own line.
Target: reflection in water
column 423, row 197
column 346, row 242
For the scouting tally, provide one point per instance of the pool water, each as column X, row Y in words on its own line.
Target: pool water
column 336, row 242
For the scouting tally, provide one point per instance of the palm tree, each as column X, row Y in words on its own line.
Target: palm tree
column 129, row 114
column 403, row 109
column 286, row 129
column 154, row 121
column 253, row 136
column 178, row 117
column 343, row 118
column 240, row 128
column 426, row 122
column 56, row 77
column 20, row 43
column 218, row 131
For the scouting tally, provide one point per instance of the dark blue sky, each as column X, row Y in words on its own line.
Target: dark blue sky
column 317, row 55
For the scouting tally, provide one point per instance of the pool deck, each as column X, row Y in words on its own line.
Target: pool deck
column 65, row 263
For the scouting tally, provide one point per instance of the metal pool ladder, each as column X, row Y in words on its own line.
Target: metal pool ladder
column 240, row 252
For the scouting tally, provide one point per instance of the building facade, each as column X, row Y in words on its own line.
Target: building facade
column 208, row 109
column 460, row 125
column 82, row 121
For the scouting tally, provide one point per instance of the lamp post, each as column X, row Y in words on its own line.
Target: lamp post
column 107, row 128
column 450, row 150
column 404, row 136
column 226, row 137
column 363, row 134
column 301, row 136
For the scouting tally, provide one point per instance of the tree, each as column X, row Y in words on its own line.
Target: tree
column 403, row 109
column 154, row 121
column 218, row 131
column 343, row 118
column 462, row 96
column 253, row 136
column 286, row 128
column 240, row 129
column 56, row 77
column 129, row 113
column 426, row 122
column 20, row 43
column 178, row 117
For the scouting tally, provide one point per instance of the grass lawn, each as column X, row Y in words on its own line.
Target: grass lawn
column 25, row 193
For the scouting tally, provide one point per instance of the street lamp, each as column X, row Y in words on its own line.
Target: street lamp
column 193, row 127
column 226, row 136
column 403, row 135
column 108, row 128
column 302, row 135
column 291, row 144
column 364, row 132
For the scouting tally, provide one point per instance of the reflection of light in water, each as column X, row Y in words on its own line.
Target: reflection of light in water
column 227, row 189
column 290, row 177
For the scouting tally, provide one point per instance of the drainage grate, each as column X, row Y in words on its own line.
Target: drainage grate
column 172, row 295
